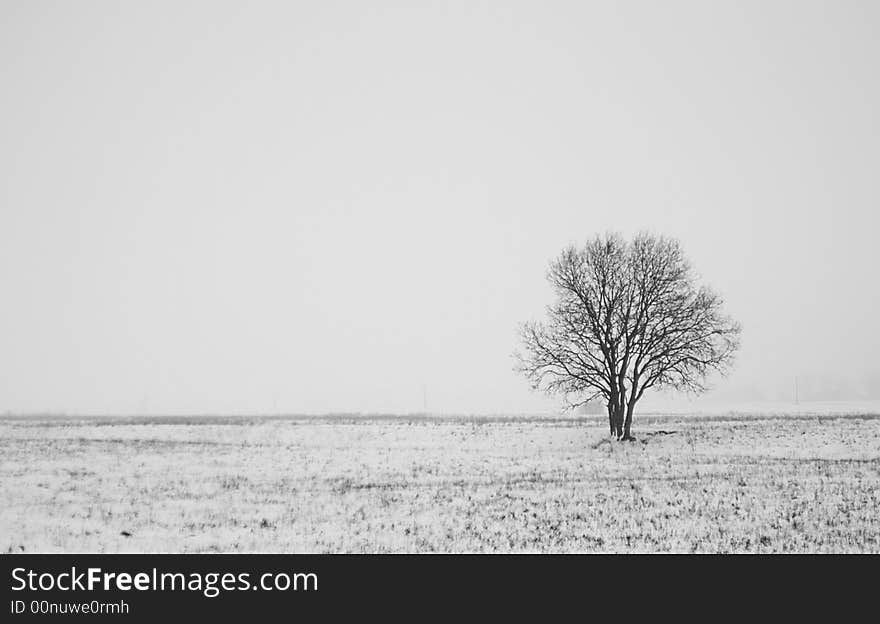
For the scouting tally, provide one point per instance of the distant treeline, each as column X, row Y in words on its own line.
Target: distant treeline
column 50, row 420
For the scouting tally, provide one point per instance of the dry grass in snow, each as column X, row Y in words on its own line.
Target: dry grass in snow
column 720, row 484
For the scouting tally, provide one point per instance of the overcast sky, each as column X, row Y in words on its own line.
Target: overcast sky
column 327, row 206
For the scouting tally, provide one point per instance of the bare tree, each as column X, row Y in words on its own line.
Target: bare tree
column 628, row 316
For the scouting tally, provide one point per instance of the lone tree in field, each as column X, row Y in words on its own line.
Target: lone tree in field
column 628, row 316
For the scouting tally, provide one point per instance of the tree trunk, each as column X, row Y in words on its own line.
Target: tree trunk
column 627, row 423
column 617, row 422
column 615, row 415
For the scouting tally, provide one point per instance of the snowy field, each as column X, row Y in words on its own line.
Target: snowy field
column 726, row 481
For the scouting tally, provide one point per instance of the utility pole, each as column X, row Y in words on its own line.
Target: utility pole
column 796, row 397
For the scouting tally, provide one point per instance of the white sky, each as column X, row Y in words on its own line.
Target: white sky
column 322, row 206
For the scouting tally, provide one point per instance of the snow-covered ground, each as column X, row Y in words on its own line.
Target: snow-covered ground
column 749, row 483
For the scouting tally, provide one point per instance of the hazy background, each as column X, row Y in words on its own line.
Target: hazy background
column 329, row 206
